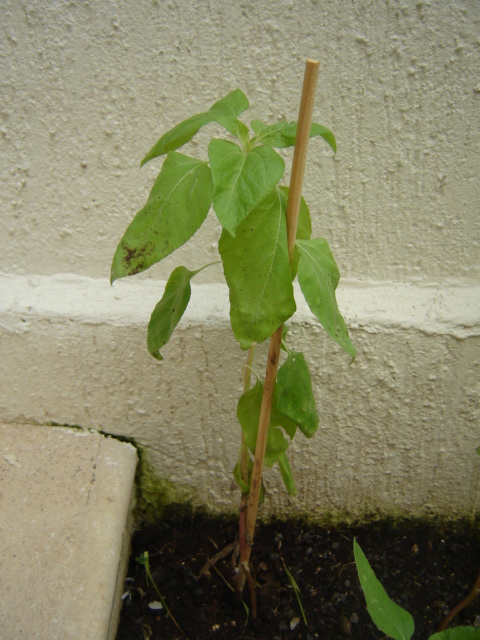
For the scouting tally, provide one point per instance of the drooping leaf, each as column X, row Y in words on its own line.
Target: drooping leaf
column 277, row 444
column 224, row 112
column 248, row 414
column 318, row 277
column 283, row 134
column 279, row 419
column 241, row 179
column 257, row 272
column 457, row 633
column 169, row 310
column 389, row 617
column 295, row 393
column 177, row 206
column 287, row 475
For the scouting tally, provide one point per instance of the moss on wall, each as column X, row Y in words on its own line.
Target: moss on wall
column 158, row 498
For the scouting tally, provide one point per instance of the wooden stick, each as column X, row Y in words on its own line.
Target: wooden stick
column 293, row 207
column 262, row 435
column 300, row 154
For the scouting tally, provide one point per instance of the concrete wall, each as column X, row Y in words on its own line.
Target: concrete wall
column 88, row 87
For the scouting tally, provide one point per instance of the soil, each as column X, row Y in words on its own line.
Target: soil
column 426, row 568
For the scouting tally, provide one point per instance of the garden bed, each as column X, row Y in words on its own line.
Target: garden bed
column 427, row 568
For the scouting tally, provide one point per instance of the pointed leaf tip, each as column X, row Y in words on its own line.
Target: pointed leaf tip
column 389, row 617
column 318, row 276
column 224, row 112
column 169, row 311
column 177, row 206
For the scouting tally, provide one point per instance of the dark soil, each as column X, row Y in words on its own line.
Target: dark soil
column 425, row 568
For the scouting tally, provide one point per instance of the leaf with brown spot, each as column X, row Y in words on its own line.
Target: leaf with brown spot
column 177, row 206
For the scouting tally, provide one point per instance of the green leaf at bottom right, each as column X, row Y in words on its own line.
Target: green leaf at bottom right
column 389, row 617
column 457, row 633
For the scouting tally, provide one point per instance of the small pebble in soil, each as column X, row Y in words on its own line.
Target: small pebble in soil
column 294, row 622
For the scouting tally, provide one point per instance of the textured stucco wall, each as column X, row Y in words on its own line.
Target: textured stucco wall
column 88, row 87
column 398, row 428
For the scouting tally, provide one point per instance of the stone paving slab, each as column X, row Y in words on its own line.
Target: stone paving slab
column 65, row 506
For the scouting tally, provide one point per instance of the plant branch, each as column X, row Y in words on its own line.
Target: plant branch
column 247, row 376
column 461, row 605
column 242, row 540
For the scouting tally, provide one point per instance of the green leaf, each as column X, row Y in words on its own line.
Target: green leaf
column 458, row 633
column 169, row 310
column 295, row 393
column 237, row 474
column 257, row 271
column 296, row 589
column 277, row 444
column 224, row 112
column 177, row 206
column 244, row 487
column 304, row 225
column 248, row 414
column 283, row 134
column 241, row 179
column 279, row 419
column 389, row 617
column 318, row 277
column 287, row 475
column 304, row 228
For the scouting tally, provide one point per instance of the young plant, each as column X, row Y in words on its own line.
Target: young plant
column 144, row 560
column 264, row 244
column 388, row 616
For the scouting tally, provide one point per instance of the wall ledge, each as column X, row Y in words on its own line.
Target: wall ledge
column 434, row 309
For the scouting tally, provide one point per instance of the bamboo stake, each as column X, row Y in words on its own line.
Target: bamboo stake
column 293, row 207
column 300, row 154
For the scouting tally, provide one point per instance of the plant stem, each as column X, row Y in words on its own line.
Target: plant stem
column 293, row 207
column 242, row 541
column 146, row 563
column 247, row 376
column 461, row 605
